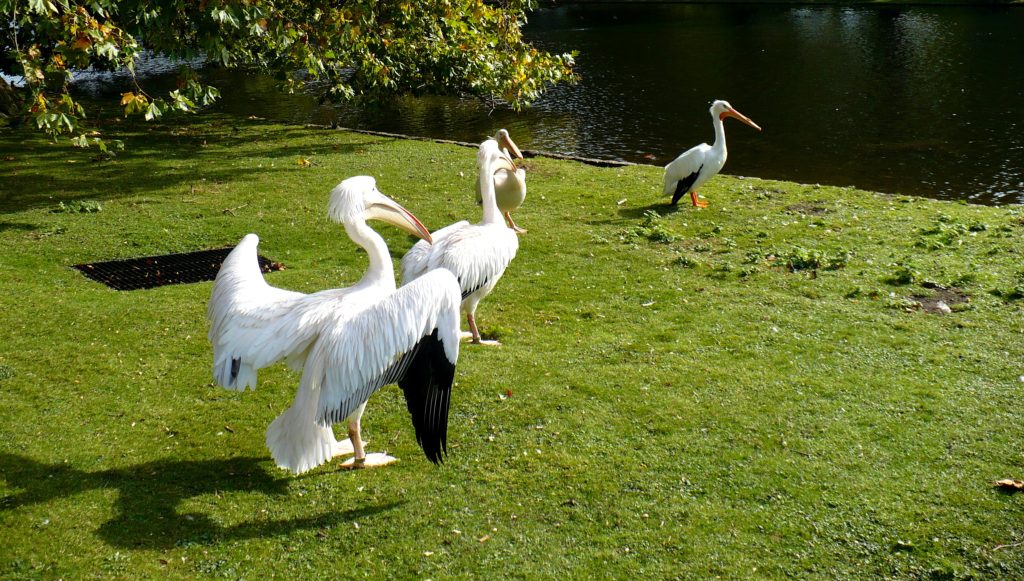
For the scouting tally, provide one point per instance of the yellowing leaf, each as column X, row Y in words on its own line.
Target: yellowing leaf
column 303, row 162
column 82, row 42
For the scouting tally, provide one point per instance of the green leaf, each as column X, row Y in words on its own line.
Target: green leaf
column 153, row 112
column 107, row 50
column 39, row 6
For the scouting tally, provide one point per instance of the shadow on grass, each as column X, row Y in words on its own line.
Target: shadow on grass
column 19, row 226
column 149, row 495
column 170, row 157
column 662, row 208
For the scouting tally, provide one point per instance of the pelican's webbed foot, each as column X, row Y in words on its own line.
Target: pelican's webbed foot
column 375, row 460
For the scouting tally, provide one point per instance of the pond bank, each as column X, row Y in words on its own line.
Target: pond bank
column 527, row 153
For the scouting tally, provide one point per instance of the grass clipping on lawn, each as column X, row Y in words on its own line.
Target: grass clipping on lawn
column 759, row 388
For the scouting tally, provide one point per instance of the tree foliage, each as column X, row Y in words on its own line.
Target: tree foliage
column 354, row 48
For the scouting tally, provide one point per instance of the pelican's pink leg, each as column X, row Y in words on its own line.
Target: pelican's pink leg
column 362, row 459
column 512, row 224
column 471, row 320
column 476, row 333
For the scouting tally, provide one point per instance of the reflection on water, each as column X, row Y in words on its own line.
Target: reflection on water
column 917, row 100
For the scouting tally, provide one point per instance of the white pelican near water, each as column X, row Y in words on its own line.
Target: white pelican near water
column 348, row 342
column 477, row 254
column 509, row 185
column 698, row 164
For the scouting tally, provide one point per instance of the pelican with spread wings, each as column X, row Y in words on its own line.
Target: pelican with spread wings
column 348, row 342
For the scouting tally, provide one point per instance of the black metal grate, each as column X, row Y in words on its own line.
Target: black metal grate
column 154, row 271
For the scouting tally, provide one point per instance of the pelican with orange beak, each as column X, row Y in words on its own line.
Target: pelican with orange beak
column 697, row 165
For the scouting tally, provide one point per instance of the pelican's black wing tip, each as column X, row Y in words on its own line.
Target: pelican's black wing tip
column 427, row 385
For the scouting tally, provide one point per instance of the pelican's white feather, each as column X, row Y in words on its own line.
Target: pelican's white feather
column 358, row 343
column 340, row 337
column 355, row 356
column 688, row 163
column 252, row 324
column 477, row 254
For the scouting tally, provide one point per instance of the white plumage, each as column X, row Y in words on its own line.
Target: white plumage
column 477, row 254
column 348, row 342
column 698, row 164
column 509, row 186
column 252, row 324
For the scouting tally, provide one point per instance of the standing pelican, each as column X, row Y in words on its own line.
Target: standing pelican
column 477, row 254
column 698, row 164
column 349, row 342
column 509, row 186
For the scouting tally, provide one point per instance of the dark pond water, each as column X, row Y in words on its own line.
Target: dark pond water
column 917, row 100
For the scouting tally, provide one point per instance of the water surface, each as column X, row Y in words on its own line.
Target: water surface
column 918, row 100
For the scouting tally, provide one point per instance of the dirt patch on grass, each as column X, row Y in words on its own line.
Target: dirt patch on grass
column 942, row 300
column 815, row 208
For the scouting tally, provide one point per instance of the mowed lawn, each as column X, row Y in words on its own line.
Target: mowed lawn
column 765, row 388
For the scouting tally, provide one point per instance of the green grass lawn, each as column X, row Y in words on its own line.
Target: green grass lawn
column 755, row 389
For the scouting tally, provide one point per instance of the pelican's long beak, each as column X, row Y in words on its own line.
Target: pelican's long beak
column 506, row 142
column 387, row 210
column 736, row 114
column 503, row 161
